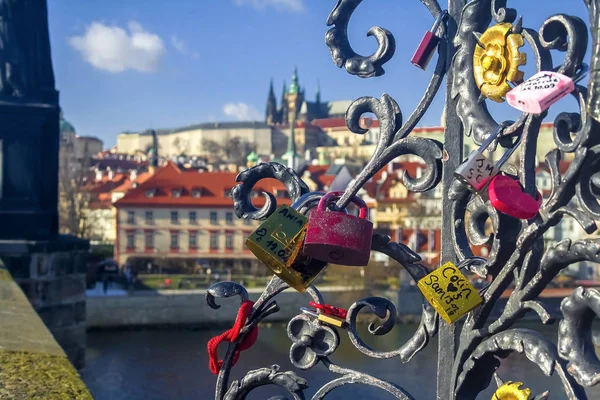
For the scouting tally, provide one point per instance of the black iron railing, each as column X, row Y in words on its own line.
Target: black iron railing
column 479, row 55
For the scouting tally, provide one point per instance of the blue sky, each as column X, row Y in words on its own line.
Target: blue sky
column 136, row 64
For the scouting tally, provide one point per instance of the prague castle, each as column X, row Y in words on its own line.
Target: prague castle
column 269, row 138
column 294, row 105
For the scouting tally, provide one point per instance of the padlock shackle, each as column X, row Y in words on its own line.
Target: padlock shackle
column 329, row 197
column 309, row 312
column 581, row 72
column 492, row 136
column 438, row 21
column 509, row 152
column 307, row 198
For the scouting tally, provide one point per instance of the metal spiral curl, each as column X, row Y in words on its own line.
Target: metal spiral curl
column 242, row 205
column 389, row 115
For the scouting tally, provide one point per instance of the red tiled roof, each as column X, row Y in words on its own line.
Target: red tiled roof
column 392, row 178
column 128, row 184
column 213, row 185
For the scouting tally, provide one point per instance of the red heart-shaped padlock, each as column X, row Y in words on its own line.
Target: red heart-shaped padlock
column 506, row 195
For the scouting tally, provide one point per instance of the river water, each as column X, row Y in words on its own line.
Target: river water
column 173, row 364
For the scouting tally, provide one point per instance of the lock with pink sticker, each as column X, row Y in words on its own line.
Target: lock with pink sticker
column 543, row 89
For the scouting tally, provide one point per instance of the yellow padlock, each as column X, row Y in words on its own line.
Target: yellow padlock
column 332, row 320
column 449, row 292
column 325, row 318
column 277, row 242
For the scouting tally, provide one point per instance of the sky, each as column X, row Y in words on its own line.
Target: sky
column 139, row 64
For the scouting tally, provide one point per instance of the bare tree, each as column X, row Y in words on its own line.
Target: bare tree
column 212, row 150
column 236, row 150
column 74, row 194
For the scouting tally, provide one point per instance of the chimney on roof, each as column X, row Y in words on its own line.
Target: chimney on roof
column 98, row 174
column 111, row 173
column 133, row 175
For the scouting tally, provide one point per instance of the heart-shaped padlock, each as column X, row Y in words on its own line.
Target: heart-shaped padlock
column 507, row 196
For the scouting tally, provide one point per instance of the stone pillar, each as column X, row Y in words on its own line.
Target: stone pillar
column 52, row 274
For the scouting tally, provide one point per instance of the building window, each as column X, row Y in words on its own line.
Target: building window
column 213, row 218
column 214, row 240
column 150, row 193
column 174, row 217
column 149, row 218
column 229, row 241
column 174, row 240
column 196, row 193
column 193, row 236
column 176, row 193
column 131, row 240
column 193, row 219
column 131, row 217
column 229, row 218
column 149, row 240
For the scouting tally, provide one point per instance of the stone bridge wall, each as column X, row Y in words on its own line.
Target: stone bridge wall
column 32, row 364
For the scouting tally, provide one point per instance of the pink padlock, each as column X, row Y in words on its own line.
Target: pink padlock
column 545, row 88
column 337, row 237
column 428, row 44
column 507, row 196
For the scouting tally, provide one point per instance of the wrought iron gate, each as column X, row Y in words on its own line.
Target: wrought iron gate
column 469, row 351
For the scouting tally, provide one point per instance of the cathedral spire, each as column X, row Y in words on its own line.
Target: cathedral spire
column 271, row 111
column 318, row 94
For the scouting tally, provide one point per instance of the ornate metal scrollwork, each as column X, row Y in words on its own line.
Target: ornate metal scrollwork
column 518, row 253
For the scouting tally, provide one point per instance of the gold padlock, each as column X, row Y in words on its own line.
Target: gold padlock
column 449, row 292
column 325, row 318
column 277, row 242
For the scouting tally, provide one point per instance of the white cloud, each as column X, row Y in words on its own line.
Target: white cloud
column 182, row 48
column 113, row 49
column 242, row 112
column 279, row 5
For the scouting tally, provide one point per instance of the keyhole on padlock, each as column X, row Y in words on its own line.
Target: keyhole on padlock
column 336, row 255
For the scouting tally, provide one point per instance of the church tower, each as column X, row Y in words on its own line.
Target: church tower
column 271, row 116
column 294, row 98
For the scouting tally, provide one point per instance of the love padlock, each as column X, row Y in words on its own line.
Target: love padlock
column 477, row 170
column 428, row 44
column 330, row 310
column 277, row 243
column 507, row 196
column 325, row 318
column 449, row 292
column 337, row 237
column 543, row 89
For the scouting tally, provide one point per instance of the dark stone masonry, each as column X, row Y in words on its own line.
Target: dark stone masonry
column 52, row 276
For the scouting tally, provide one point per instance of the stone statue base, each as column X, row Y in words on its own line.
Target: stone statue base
column 29, row 143
column 52, row 274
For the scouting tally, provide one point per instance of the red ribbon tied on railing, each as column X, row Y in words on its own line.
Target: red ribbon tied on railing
column 232, row 335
